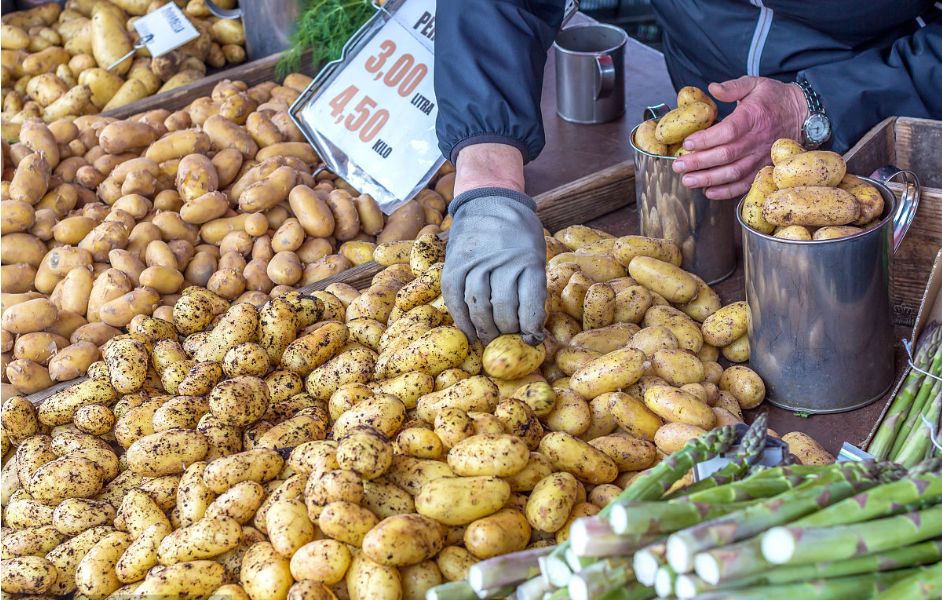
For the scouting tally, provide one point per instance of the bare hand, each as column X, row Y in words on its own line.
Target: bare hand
column 725, row 157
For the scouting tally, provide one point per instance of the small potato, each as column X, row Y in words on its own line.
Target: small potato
column 783, row 149
column 551, row 501
column 676, row 405
column 629, row 453
column 206, row 538
column 726, row 324
column 664, row 278
column 95, row 419
column 793, row 232
column 813, row 206
column 402, row 540
column 325, row 561
column 676, row 125
column 745, row 384
column 461, row 500
column 259, row 465
column 75, row 515
column 32, row 541
column 509, row 357
column 677, row 367
column 645, row 139
column 29, row 316
column 814, row 168
column 608, row 373
column 194, row 579
column 68, row 476
column 346, row 522
column 570, row 454
column 738, row 350
column 835, row 232
column 869, row 199
column 95, row 575
column 503, row 532
column 807, row 449
column 166, row 453
column 28, row 575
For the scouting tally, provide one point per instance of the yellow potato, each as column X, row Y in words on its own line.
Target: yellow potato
column 439, row 349
column 762, row 186
column 70, row 476
column 835, row 232
column 727, row 324
column 676, row 125
column 675, row 284
column 676, row 405
column 645, row 139
column 412, row 473
column 807, row 449
column 259, row 465
column 570, row 454
column 685, row 331
column 677, row 367
column 75, row 515
column 476, row 393
column 166, row 453
column 783, row 149
column 811, row 206
column 597, row 267
column 461, row 500
column 28, row 575
column 403, row 540
column 509, row 357
column 793, row 232
column 500, row 455
column 194, row 579
column 814, row 168
column 141, row 554
column 346, row 522
column 551, row 501
column 745, row 384
column 673, row 436
column 367, row 580
column 60, row 408
column 503, row 532
column 95, row 575
column 608, row 373
column 738, row 350
column 868, row 197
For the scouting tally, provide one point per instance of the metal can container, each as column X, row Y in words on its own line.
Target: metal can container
column 821, row 334
column 703, row 228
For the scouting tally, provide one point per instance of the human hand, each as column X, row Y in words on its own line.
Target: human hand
column 494, row 280
column 725, row 157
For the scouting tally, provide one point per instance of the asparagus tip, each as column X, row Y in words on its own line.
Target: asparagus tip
column 778, row 545
column 679, row 555
column 707, row 568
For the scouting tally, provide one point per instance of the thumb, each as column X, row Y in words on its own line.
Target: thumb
column 734, row 89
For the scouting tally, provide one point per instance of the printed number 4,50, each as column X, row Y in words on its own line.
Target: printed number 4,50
column 368, row 123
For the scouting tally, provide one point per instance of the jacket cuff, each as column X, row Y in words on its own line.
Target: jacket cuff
column 503, row 193
column 488, row 138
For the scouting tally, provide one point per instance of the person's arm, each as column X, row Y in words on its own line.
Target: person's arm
column 860, row 92
column 489, row 60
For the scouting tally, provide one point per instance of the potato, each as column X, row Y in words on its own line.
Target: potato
column 29, row 316
column 436, row 350
column 66, row 557
column 412, row 473
column 29, row 182
column 28, row 575
column 403, row 540
column 473, row 394
column 807, row 449
column 835, row 232
column 66, row 477
column 60, row 408
column 461, row 500
column 608, row 373
column 259, row 465
column 745, row 384
column 551, row 501
column 346, row 522
column 75, row 515
column 204, row 539
column 325, row 561
column 645, row 139
column 676, row 125
column 509, row 357
column 95, row 574
column 677, row 367
column 664, row 278
column 367, row 580
column 783, row 149
column 166, row 453
column 811, row 206
column 505, row 531
column 727, row 324
column 196, row 579
column 814, row 168
column 628, row 452
column 570, row 454
column 597, row 267
column 676, row 405
column 110, row 40
column 793, row 232
column 869, row 198
column 95, row 419
column 19, row 420
column 141, row 554
column 127, row 362
column 684, row 329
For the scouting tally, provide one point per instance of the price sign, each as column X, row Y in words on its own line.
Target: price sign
column 165, row 29
column 372, row 116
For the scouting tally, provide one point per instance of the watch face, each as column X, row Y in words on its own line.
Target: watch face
column 817, row 128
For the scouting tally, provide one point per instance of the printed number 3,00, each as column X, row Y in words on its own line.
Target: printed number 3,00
column 404, row 73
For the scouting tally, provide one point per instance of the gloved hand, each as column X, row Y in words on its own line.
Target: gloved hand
column 494, row 280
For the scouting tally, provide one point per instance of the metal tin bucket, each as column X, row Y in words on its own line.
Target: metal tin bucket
column 821, row 335
column 703, row 228
column 268, row 24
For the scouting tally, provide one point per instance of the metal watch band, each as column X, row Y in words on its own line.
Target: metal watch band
column 811, row 97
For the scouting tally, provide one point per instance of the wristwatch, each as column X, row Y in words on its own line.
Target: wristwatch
column 816, row 130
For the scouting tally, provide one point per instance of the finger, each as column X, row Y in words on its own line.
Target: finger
column 504, row 298
column 731, row 190
column 532, row 295
column 477, row 295
column 734, row 89
column 730, row 129
column 453, row 283
column 713, row 157
column 742, row 168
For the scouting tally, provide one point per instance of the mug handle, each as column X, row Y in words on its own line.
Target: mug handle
column 606, row 70
column 909, row 200
column 223, row 13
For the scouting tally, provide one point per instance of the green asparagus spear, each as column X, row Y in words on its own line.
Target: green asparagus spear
column 849, row 479
column 665, row 517
column 649, row 486
column 924, row 584
column 743, row 564
column 929, row 389
column 750, row 449
column 803, row 545
column 648, row 560
column 509, row 569
column 839, row 588
column 763, row 484
column 599, row 578
column 899, row 409
column 453, row 590
column 632, row 591
column 915, row 447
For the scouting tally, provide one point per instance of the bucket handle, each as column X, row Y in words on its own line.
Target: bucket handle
column 909, row 200
column 653, row 112
column 223, row 13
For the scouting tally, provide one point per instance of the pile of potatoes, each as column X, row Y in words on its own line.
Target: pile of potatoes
column 810, row 196
column 55, row 60
column 349, row 444
column 102, row 220
column 665, row 136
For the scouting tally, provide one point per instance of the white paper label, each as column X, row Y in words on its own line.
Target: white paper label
column 380, row 110
column 165, row 29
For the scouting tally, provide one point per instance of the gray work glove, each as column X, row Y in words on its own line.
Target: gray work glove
column 494, row 281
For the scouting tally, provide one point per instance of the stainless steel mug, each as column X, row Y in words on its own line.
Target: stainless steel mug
column 821, row 335
column 703, row 228
column 268, row 24
column 590, row 73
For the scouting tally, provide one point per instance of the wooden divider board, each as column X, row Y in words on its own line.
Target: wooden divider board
column 575, row 203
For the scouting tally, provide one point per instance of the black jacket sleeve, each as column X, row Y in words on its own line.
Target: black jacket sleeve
column 859, row 92
column 489, row 60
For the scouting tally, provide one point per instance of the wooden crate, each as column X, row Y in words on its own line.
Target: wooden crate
column 916, row 145
column 575, row 203
column 251, row 73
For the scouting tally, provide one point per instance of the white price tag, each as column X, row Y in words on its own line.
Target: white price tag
column 165, row 29
column 375, row 116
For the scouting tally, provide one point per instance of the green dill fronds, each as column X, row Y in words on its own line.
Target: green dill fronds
column 323, row 28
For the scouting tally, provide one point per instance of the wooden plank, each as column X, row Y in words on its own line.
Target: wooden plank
column 575, row 203
column 257, row 71
column 918, row 143
column 874, row 150
column 915, row 257
column 571, row 204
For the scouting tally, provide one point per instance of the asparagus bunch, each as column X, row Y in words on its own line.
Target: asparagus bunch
column 902, row 427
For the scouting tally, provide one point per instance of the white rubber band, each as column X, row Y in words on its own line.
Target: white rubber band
column 909, row 352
